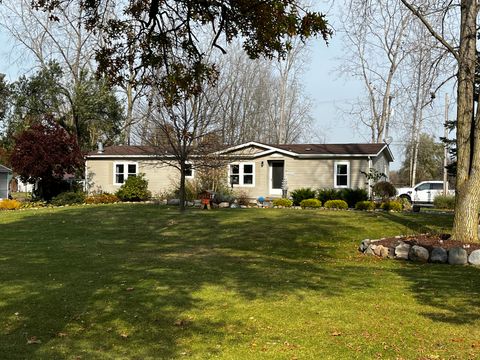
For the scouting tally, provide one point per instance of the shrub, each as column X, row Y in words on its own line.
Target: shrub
column 134, row 189
column 302, row 194
column 328, row 194
column 392, row 205
column 104, row 198
column 310, row 203
column 336, row 204
column 283, row 202
column 444, row 202
column 353, row 196
column 10, row 204
column 242, row 197
column 223, row 196
column 68, row 198
column 365, row 205
column 33, row 204
column 406, row 205
column 384, row 189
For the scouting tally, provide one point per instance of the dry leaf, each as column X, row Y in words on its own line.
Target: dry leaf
column 62, row 334
column 33, row 340
column 130, row 289
column 124, row 335
column 336, row 333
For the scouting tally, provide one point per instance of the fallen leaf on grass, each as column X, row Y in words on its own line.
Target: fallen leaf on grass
column 124, row 335
column 181, row 322
column 130, row 289
column 458, row 340
column 62, row 334
column 336, row 333
column 33, row 340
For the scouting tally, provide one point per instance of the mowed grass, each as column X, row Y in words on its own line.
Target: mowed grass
column 143, row 282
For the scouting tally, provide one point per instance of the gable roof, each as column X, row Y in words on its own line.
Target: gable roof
column 4, row 169
column 317, row 150
column 294, row 150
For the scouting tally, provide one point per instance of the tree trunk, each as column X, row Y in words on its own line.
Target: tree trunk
column 465, row 226
column 182, row 187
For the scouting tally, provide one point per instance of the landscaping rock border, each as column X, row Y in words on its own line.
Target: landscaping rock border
column 420, row 254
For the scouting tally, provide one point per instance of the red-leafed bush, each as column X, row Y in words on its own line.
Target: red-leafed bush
column 43, row 154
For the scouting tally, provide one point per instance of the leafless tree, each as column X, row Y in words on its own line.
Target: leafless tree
column 375, row 32
column 467, row 200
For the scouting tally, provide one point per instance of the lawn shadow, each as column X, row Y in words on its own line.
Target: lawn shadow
column 451, row 294
column 126, row 279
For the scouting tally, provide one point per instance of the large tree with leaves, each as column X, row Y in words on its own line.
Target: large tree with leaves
column 169, row 36
column 43, row 154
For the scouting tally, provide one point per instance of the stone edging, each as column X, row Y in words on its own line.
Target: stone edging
column 419, row 254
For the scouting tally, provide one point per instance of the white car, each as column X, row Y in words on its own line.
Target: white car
column 423, row 193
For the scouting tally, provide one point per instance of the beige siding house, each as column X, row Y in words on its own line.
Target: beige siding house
column 258, row 169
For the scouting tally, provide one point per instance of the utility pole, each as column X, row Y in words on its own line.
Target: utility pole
column 445, row 149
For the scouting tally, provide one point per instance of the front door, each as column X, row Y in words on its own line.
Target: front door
column 277, row 168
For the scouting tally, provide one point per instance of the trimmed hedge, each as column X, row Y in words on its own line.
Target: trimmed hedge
column 8, row 204
column 336, row 204
column 301, row 194
column 310, row 203
column 104, row 198
column 365, row 205
column 392, row 205
column 282, row 202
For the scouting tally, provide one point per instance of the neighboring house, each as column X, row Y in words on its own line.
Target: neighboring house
column 5, row 176
column 256, row 168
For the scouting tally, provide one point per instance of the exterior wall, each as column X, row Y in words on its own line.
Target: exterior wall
column 313, row 173
column 382, row 165
column 100, row 175
column 4, row 177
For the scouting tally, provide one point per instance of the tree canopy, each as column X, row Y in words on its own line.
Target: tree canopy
column 164, row 40
column 44, row 153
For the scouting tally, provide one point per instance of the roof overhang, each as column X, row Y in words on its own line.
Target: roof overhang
column 4, row 169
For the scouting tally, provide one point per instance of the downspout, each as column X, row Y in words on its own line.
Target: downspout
column 369, row 180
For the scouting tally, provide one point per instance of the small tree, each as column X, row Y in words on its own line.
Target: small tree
column 43, row 154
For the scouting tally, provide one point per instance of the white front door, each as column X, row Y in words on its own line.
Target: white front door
column 276, row 173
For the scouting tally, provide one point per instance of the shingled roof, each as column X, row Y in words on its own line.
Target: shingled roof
column 332, row 149
column 4, row 169
column 300, row 150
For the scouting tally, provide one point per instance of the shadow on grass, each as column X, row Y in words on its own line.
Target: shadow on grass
column 125, row 280
column 450, row 293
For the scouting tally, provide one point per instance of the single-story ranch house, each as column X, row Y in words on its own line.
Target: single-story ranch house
column 256, row 168
column 5, row 176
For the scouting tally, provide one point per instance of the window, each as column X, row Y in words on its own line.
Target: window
column 189, row 170
column 342, row 174
column 436, row 186
column 122, row 171
column 423, row 187
column 242, row 174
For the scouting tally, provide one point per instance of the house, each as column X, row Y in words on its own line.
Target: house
column 259, row 169
column 5, row 176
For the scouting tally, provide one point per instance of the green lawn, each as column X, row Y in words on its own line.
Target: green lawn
column 143, row 282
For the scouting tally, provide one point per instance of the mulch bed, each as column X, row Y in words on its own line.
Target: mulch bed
column 429, row 241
